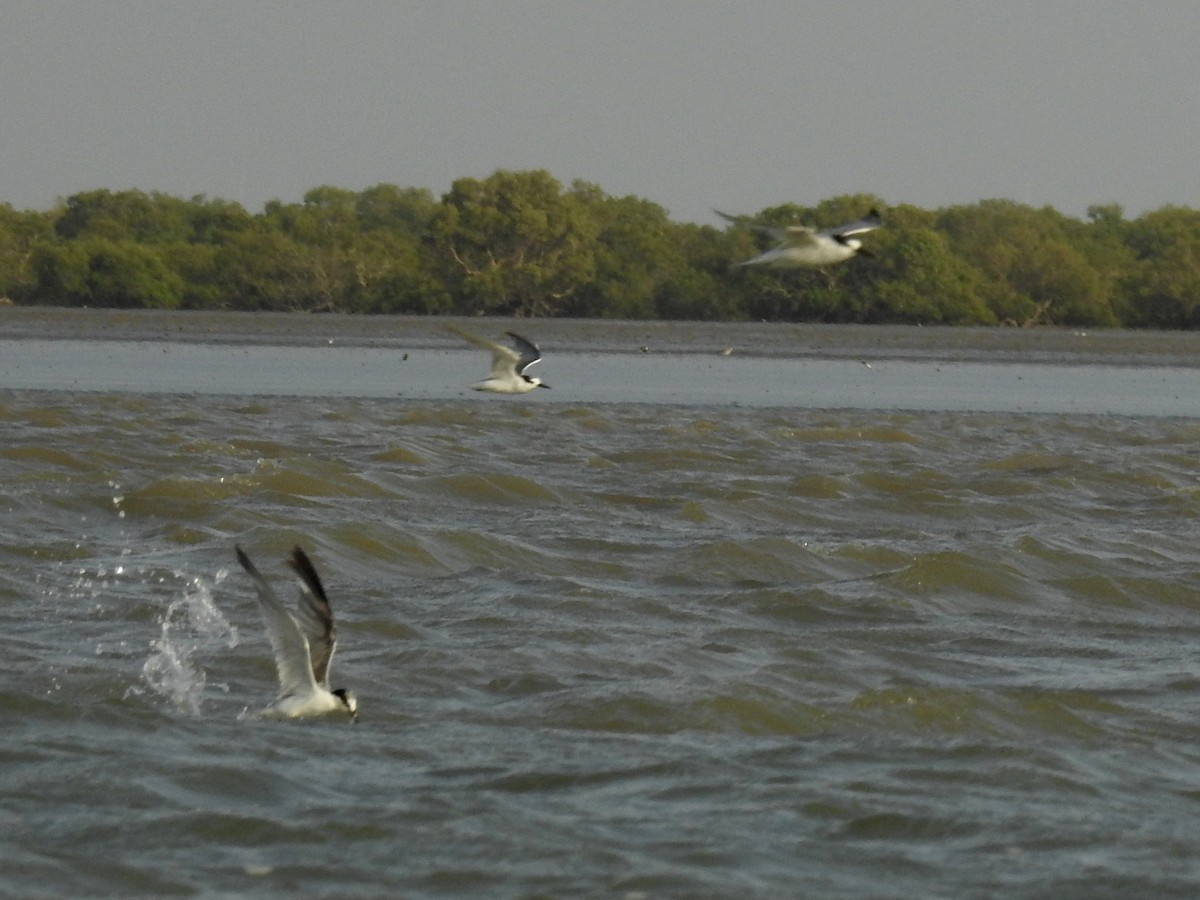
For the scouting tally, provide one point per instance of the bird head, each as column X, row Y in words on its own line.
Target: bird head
column 349, row 700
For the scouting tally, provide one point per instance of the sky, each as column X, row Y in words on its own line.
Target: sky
column 691, row 104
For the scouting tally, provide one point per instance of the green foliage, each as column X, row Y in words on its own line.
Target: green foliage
column 916, row 279
column 385, row 207
column 124, row 216
column 518, row 243
column 101, row 272
column 1163, row 284
column 513, row 244
column 20, row 234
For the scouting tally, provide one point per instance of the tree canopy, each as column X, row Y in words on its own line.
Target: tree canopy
column 521, row 243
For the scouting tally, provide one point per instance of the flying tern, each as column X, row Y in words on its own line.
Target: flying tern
column 303, row 642
column 509, row 364
column 801, row 247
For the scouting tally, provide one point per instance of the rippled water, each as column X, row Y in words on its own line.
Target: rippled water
column 615, row 649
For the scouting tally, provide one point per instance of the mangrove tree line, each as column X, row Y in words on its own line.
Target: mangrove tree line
column 520, row 243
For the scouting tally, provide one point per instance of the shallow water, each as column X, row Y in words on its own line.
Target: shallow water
column 605, row 644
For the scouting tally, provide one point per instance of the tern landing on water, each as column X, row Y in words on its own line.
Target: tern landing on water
column 303, row 643
column 509, row 364
column 801, row 247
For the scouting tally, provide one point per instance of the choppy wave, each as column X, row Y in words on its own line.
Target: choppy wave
column 602, row 650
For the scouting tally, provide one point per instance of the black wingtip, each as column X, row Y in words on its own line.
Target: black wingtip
column 307, row 571
column 243, row 558
column 522, row 339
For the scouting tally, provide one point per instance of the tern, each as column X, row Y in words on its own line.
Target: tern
column 801, row 247
column 303, row 643
column 509, row 364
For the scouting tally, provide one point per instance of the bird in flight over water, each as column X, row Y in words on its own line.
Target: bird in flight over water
column 303, row 642
column 510, row 365
column 802, row 247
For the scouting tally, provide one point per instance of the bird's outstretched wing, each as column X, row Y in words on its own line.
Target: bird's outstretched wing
column 315, row 617
column 790, row 235
column 503, row 358
column 287, row 640
column 869, row 223
column 527, row 351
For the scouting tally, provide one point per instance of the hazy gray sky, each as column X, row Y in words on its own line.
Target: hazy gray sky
column 691, row 104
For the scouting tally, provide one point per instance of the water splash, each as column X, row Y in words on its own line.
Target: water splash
column 191, row 623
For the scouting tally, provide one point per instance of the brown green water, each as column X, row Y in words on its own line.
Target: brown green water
column 778, row 623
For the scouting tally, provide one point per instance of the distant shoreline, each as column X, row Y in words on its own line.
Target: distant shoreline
column 1066, row 346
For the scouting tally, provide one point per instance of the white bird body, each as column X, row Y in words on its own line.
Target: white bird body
column 509, row 364
column 801, row 247
column 303, row 643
